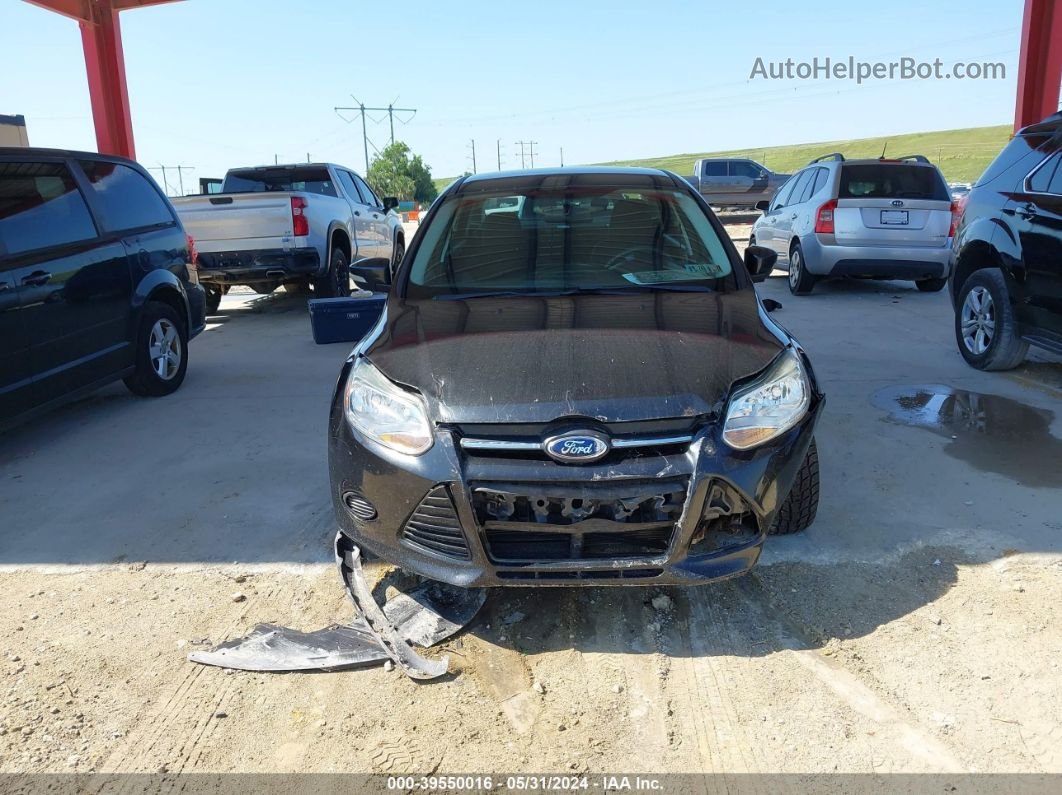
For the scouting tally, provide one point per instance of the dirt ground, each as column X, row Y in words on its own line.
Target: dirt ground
column 916, row 627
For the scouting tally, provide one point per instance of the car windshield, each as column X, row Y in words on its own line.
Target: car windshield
column 568, row 240
column 891, row 181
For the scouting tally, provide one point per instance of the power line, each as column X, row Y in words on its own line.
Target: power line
column 362, row 111
column 529, row 151
column 180, row 176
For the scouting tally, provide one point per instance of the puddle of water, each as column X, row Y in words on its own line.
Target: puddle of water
column 989, row 432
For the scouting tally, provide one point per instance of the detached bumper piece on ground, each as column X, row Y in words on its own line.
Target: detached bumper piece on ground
column 425, row 616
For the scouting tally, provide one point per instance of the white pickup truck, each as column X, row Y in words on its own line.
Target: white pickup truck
column 296, row 225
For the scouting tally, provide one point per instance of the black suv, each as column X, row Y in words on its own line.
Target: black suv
column 1006, row 277
column 97, row 280
column 574, row 382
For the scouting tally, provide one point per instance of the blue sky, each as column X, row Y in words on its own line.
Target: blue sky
column 220, row 83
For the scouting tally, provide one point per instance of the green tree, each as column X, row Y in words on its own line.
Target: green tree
column 394, row 173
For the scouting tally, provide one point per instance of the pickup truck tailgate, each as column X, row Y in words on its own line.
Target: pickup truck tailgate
column 223, row 220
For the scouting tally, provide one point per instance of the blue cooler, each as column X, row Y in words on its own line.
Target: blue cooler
column 344, row 319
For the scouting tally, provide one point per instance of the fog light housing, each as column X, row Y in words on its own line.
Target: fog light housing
column 359, row 507
column 726, row 522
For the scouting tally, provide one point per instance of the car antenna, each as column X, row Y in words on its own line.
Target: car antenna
column 883, row 151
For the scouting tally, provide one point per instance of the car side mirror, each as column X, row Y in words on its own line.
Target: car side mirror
column 374, row 273
column 763, row 205
column 390, row 203
column 770, row 305
column 760, row 262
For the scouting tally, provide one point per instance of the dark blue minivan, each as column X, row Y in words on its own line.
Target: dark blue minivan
column 97, row 280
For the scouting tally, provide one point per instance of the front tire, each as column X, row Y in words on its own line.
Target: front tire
column 931, row 285
column 801, row 282
column 213, row 298
column 398, row 252
column 800, row 506
column 985, row 327
column 161, row 352
column 336, row 282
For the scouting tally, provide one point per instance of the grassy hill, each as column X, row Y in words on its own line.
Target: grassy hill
column 961, row 154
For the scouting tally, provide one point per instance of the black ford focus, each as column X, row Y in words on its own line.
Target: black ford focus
column 573, row 381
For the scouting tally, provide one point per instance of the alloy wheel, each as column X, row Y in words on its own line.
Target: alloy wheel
column 165, row 349
column 794, row 268
column 978, row 320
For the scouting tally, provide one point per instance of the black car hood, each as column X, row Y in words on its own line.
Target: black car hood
column 608, row 357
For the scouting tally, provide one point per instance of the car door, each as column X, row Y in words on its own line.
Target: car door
column 748, row 181
column 74, row 286
column 1038, row 218
column 714, row 180
column 765, row 229
column 15, row 380
column 789, row 211
column 381, row 229
column 362, row 213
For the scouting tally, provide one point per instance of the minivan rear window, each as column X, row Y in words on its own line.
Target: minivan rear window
column 891, row 181
column 267, row 180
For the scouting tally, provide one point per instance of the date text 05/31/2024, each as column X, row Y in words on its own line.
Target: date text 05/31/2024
column 531, row 783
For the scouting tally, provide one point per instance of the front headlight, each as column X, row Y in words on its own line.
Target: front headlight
column 769, row 406
column 384, row 412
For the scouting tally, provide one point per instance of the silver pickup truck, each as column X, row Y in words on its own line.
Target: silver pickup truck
column 296, row 225
column 734, row 181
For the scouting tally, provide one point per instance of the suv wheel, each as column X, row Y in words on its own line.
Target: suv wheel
column 161, row 352
column 985, row 328
column 335, row 283
column 799, row 509
column 399, row 252
column 800, row 281
column 931, row 285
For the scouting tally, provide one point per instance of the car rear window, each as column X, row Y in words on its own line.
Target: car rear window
column 266, row 180
column 568, row 238
column 128, row 199
column 892, row 181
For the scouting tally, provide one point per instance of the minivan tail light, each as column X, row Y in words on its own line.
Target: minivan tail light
column 824, row 218
column 300, row 224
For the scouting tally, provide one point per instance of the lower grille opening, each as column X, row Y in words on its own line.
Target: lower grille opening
column 524, row 523
column 434, row 526
column 608, row 574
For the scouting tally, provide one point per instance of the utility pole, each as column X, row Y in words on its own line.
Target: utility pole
column 499, row 154
column 361, row 110
column 530, row 150
column 180, row 169
column 473, row 155
column 562, row 157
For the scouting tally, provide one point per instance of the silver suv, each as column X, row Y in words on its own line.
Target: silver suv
column 877, row 219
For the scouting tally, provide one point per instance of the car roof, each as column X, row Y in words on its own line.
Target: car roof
column 588, row 175
column 27, row 152
column 1052, row 123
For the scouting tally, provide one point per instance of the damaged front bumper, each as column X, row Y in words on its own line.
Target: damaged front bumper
column 682, row 508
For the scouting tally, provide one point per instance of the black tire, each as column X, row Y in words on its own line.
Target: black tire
column 336, row 282
column 156, row 321
column 263, row 289
column 800, row 506
column 931, row 285
column 297, row 288
column 1005, row 350
column 800, row 281
column 398, row 252
column 213, row 298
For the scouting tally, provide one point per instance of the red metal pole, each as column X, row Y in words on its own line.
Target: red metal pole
column 1040, row 64
column 101, row 38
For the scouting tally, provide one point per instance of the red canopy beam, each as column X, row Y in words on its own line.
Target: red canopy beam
column 1040, row 64
column 101, row 38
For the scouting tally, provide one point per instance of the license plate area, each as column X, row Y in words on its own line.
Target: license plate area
column 894, row 218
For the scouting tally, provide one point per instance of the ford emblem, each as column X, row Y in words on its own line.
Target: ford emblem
column 577, row 448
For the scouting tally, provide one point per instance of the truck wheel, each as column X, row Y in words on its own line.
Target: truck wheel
column 931, row 285
column 213, row 298
column 161, row 352
column 399, row 252
column 263, row 289
column 297, row 288
column 800, row 281
column 985, row 327
column 799, row 509
column 335, row 283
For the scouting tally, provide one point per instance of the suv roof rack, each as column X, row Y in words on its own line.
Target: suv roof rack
column 915, row 158
column 832, row 156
